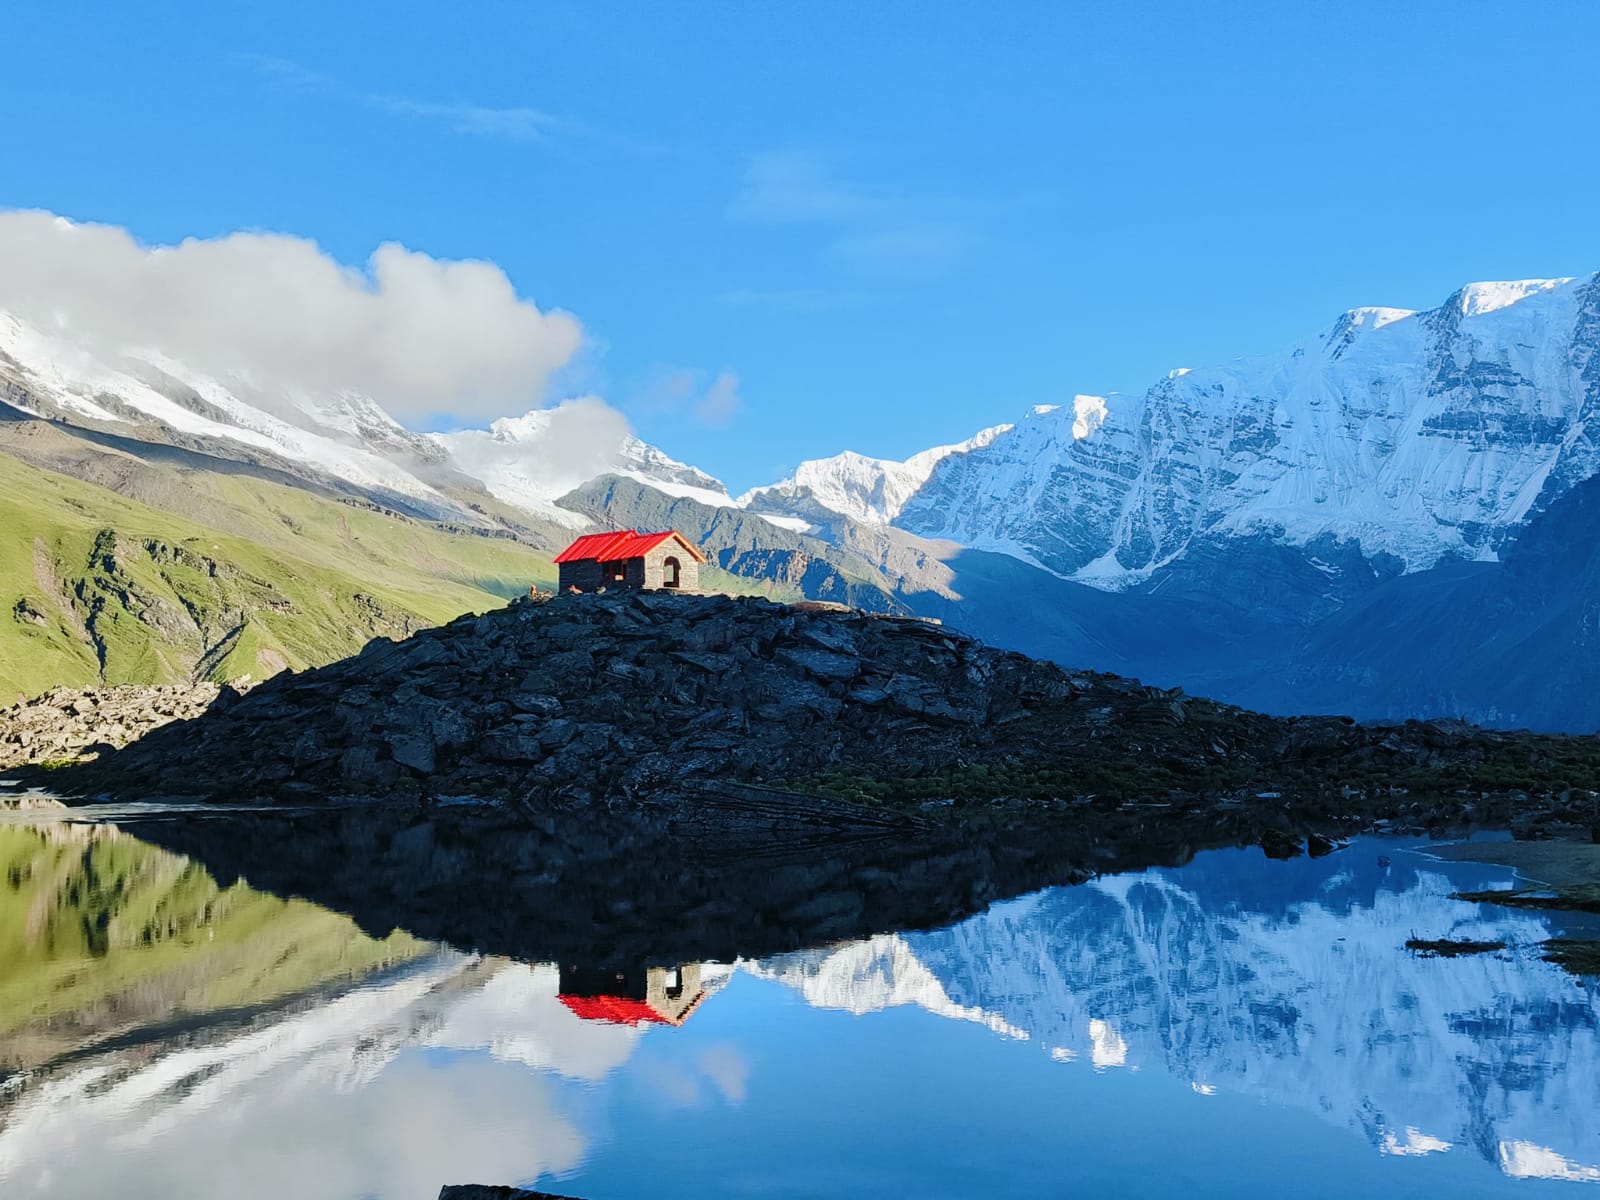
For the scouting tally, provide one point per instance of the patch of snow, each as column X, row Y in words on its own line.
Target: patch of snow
column 1480, row 298
column 1088, row 414
column 871, row 491
column 794, row 524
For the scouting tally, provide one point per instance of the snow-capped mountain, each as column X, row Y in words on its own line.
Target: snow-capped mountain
column 869, row 490
column 533, row 460
column 1417, row 434
column 346, row 437
column 528, row 462
column 1306, row 1001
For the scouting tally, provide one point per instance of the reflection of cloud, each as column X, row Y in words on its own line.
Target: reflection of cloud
column 718, row 1071
column 333, row 1102
column 517, row 1018
column 387, row 1091
column 729, row 1070
column 403, row 1134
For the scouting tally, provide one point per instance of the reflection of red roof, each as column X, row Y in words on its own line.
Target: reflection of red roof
column 626, row 543
column 619, row 1010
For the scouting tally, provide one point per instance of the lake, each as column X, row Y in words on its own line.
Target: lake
column 1236, row 1026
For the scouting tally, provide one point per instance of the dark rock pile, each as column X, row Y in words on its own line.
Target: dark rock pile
column 629, row 698
column 589, row 697
column 65, row 724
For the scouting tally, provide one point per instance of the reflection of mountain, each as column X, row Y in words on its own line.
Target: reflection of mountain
column 356, row 1085
column 190, row 1033
column 101, row 934
column 1308, row 1002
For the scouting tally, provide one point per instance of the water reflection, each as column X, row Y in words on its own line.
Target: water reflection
column 102, row 934
column 1201, row 1029
column 1301, row 996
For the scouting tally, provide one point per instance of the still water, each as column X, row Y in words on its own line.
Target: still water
column 1234, row 1027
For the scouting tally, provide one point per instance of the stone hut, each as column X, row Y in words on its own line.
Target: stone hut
column 628, row 559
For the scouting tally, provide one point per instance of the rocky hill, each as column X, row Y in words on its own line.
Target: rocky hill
column 646, row 700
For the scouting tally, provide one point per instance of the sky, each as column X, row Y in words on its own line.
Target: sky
column 773, row 231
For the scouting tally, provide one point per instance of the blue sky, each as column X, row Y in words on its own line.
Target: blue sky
column 790, row 229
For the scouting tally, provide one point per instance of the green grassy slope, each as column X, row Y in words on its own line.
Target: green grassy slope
column 232, row 575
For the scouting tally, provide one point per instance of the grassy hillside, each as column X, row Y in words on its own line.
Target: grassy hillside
column 101, row 932
column 226, row 574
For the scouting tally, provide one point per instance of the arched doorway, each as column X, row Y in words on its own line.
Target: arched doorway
column 671, row 571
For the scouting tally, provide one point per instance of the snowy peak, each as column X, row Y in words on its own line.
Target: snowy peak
column 526, row 461
column 345, row 437
column 533, row 460
column 871, row 491
column 1477, row 299
column 1414, row 435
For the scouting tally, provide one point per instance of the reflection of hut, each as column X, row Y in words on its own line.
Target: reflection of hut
column 658, row 995
column 630, row 560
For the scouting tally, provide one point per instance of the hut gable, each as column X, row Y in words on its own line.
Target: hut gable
column 629, row 559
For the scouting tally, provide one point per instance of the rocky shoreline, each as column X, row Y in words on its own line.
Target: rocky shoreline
column 645, row 701
column 67, row 725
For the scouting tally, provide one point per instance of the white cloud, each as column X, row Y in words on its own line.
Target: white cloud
column 687, row 390
column 720, row 402
column 517, row 124
column 873, row 233
column 423, row 336
column 797, row 186
column 513, row 124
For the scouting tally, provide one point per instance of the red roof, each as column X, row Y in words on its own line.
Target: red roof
column 619, row 1010
column 623, row 544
